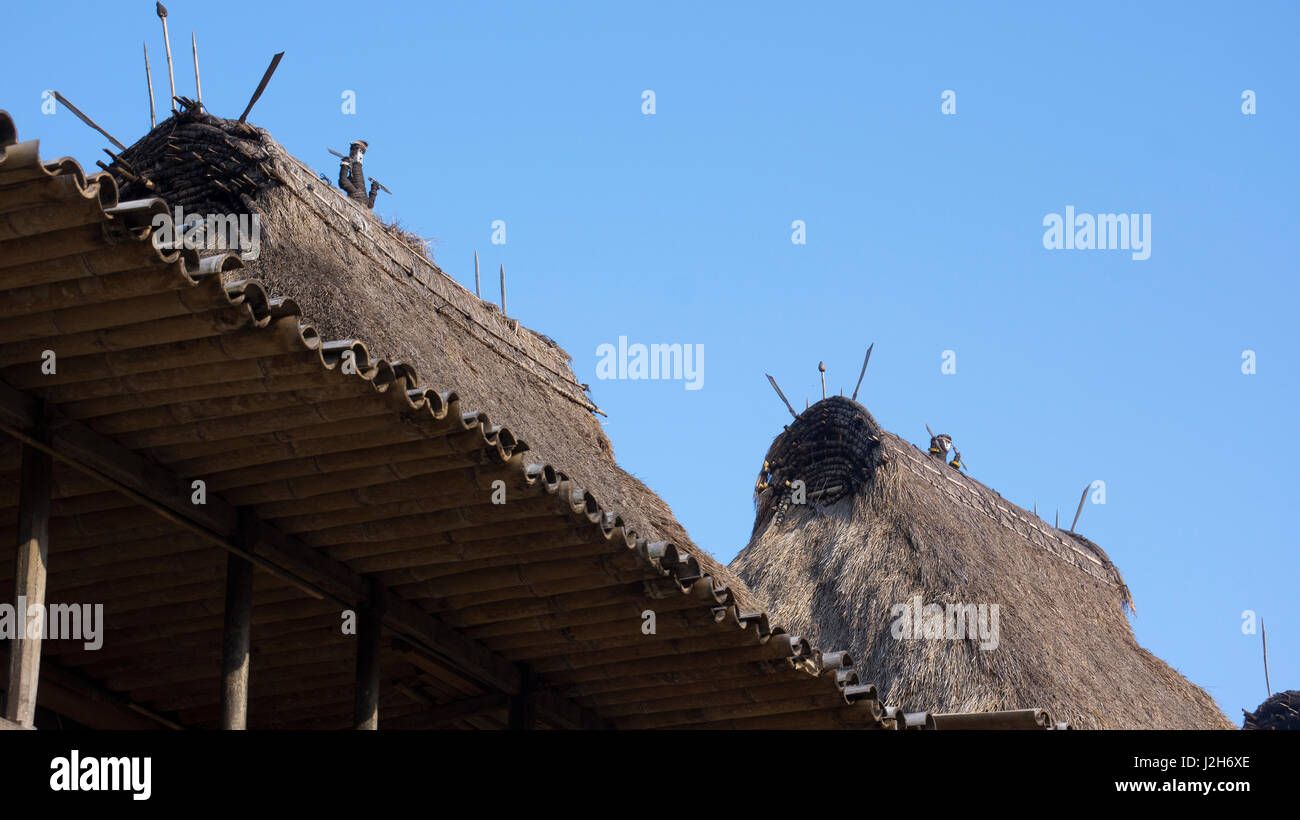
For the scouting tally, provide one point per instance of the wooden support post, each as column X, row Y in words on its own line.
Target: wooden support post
column 29, row 579
column 523, row 706
column 369, row 632
column 235, row 643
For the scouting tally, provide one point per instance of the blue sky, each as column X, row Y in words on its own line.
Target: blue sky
column 924, row 234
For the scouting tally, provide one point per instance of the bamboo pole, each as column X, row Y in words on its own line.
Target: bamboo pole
column 148, row 78
column 198, row 86
column 171, row 78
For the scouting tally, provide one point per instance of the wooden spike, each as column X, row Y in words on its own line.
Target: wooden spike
column 1263, row 636
column 821, row 368
column 87, row 120
column 1079, row 511
column 476, row 289
column 864, row 372
column 503, row 290
column 786, row 401
column 1058, row 520
column 198, row 86
column 171, row 77
column 148, row 78
column 266, row 78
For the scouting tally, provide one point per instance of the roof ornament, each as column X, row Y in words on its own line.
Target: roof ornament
column 940, row 444
column 352, row 178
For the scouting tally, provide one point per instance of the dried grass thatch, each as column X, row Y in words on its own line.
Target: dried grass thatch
column 902, row 524
column 354, row 280
column 1281, row 711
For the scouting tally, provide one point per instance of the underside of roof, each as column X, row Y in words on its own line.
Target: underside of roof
column 192, row 418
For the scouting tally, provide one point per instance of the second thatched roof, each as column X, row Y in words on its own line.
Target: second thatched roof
column 885, row 525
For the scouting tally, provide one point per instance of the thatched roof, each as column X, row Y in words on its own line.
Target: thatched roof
column 892, row 523
column 358, row 281
column 1280, row 711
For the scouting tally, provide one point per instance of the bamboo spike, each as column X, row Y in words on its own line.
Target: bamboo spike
column 1263, row 635
column 171, row 77
column 476, row 290
column 863, row 373
column 1079, row 511
column 198, row 86
column 821, row 368
column 782, row 395
column 266, row 78
column 503, row 289
column 87, row 120
column 148, row 78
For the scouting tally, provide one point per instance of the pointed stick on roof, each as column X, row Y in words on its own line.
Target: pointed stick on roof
column 162, row 15
column 87, row 120
column 1035, row 508
column 806, row 403
column 476, row 290
column 148, row 78
column 198, row 86
column 1263, row 636
column 266, row 78
column 821, row 368
column 782, row 395
column 1079, row 511
column 1058, row 520
column 863, row 373
column 503, row 289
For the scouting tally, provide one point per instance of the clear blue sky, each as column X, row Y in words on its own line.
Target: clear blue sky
column 924, row 234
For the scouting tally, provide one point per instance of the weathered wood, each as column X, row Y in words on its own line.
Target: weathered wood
column 369, row 639
column 467, row 708
column 235, row 643
column 307, row 569
column 32, row 556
